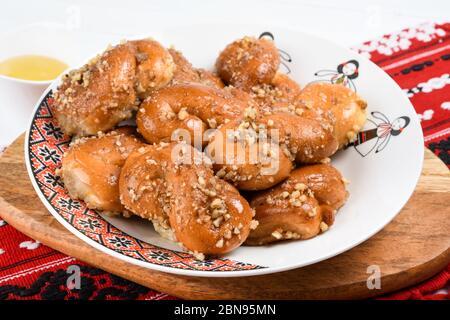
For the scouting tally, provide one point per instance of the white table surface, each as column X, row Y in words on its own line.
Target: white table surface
column 348, row 22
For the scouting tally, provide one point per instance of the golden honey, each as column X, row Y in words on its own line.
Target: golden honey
column 32, row 67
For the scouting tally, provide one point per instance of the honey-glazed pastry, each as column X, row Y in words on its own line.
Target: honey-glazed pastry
column 91, row 167
column 248, row 62
column 301, row 207
column 247, row 157
column 349, row 110
column 106, row 90
column 155, row 66
column 193, row 107
column 174, row 185
column 143, row 187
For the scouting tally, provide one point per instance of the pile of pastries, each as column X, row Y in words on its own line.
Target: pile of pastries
column 216, row 159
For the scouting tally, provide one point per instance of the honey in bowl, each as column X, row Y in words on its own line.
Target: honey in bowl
column 32, row 67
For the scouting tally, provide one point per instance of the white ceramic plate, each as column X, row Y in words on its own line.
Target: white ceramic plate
column 383, row 170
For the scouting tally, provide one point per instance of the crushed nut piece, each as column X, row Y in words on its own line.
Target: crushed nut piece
column 277, row 235
column 201, row 181
column 253, row 224
column 219, row 243
column 212, row 123
column 300, row 186
column 299, row 111
column 217, row 203
column 183, row 114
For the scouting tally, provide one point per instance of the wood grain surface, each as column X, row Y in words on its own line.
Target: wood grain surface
column 413, row 247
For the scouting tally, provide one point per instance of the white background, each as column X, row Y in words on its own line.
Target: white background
column 348, row 22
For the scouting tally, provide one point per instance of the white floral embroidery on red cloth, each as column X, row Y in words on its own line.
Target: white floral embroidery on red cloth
column 399, row 41
column 445, row 105
column 435, row 83
column 426, row 115
column 30, row 245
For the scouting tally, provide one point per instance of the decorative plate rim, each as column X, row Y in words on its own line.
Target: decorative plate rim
column 258, row 270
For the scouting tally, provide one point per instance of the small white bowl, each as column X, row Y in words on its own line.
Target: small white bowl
column 17, row 96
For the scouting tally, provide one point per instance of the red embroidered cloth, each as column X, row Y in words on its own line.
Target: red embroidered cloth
column 418, row 59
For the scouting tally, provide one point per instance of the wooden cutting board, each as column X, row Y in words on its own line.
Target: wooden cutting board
column 413, row 247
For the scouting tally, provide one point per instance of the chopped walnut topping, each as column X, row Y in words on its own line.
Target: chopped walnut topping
column 201, row 181
column 313, row 212
column 169, row 115
column 126, row 214
column 295, row 194
column 112, row 180
column 198, row 255
column 133, row 195
column 219, row 243
column 351, row 135
column 323, row 226
column 253, row 224
column 212, row 123
column 183, row 114
column 217, row 222
column 217, row 203
column 141, row 150
column 300, row 186
column 250, row 113
column 277, row 235
column 227, row 234
column 296, row 203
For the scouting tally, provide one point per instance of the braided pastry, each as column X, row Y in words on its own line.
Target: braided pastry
column 105, row 91
column 248, row 62
column 193, row 107
column 299, row 208
column 91, row 167
column 348, row 109
column 174, row 186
